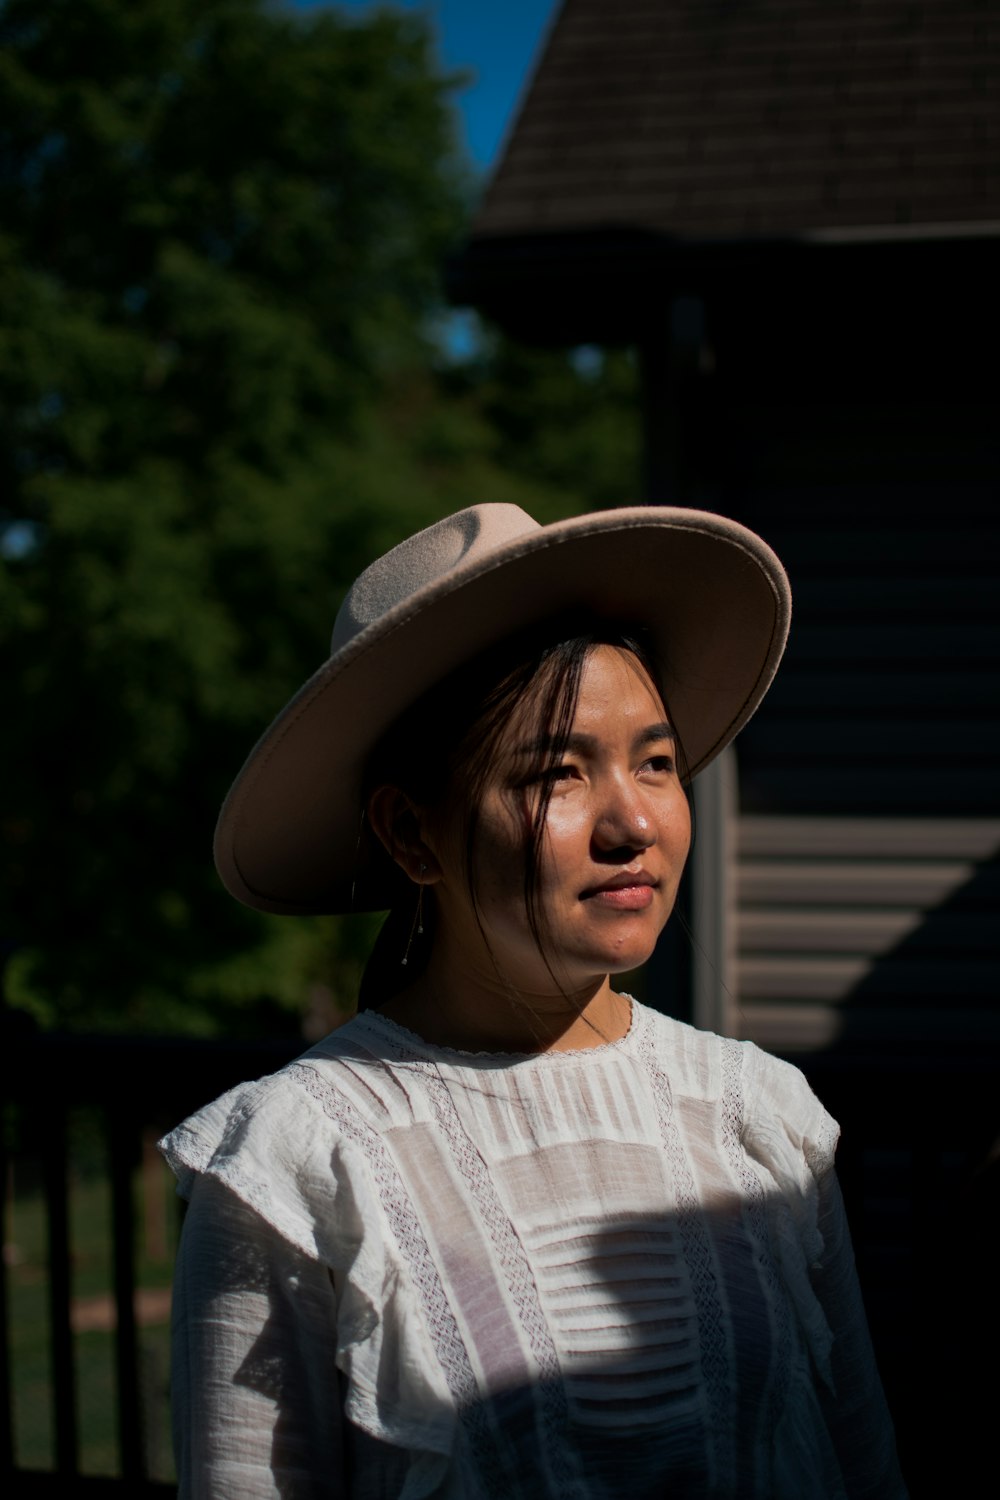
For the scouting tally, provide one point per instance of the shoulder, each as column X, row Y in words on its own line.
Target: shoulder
column 770, row 1100
column 287, row 1145
column 288, row 1104
column 783, row 1114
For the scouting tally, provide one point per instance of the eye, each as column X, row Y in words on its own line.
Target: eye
column 555, row 774
column 659, row 765
column 549, row 776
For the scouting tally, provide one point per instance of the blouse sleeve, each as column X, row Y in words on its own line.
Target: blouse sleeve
column 301, row 1350
column 255, row 1388
column 790, row 1133
column 856, row 1411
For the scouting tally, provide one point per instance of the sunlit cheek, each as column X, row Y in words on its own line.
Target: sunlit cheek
column 565, row 844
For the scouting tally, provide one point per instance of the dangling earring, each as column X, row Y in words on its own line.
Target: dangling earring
column 417, row 925
column 357, row 859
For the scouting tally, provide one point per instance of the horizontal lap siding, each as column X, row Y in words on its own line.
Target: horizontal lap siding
column 850, row 929
column 868, row 847
column 862, row 443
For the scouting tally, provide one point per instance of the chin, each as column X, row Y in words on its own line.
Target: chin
column 631, row 950
column 624, row 958
column 627, row 962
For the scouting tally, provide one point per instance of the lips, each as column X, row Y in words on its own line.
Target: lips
column 630, row 890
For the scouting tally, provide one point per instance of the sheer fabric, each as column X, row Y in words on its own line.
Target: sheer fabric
column 624, row 1271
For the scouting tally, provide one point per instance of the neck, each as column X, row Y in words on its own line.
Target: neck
column 451, row 1006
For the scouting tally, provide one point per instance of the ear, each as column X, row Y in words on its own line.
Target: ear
column 399, row 827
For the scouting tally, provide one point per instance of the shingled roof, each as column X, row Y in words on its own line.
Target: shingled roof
column 723, row 119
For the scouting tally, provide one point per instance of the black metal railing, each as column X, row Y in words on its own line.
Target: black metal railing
column 131, row 1089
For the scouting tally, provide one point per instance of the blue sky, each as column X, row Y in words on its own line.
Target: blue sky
column 496, row 41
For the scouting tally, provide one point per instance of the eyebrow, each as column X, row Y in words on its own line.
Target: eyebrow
column 587, row 744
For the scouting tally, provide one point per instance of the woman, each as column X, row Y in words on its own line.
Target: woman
column 507, row 1232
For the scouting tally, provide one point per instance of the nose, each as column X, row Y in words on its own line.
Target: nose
column 623, row 821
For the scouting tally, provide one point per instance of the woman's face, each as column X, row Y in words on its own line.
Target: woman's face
column 616, row 836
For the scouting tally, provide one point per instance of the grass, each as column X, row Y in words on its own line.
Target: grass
column 92, row 1291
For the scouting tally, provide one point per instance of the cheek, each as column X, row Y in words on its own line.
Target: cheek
column 502, row 839
column 675, row 841
column 568, row 832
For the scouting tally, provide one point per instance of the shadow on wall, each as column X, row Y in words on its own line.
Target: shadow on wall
column 920, row 1164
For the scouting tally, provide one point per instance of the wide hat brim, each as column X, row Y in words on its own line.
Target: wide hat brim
column 714, row 596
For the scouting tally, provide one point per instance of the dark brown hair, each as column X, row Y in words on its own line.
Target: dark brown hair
column 445, row 747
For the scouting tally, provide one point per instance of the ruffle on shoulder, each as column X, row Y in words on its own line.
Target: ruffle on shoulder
column 789, row 1134
column 272, row 1146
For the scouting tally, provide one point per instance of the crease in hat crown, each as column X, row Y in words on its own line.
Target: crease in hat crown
column 430, row 557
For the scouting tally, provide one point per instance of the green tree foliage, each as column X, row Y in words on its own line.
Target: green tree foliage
column 565, row 420
column 222, row 231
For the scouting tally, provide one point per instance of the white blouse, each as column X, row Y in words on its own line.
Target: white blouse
column 622, row 1271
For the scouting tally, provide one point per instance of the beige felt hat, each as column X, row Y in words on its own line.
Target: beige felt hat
column 714, row 596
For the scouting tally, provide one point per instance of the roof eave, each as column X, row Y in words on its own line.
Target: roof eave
column 602, row 284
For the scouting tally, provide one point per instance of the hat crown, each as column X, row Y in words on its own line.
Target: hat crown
column 423, row 560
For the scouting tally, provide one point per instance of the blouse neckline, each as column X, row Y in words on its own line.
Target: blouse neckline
column 404, row 1039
